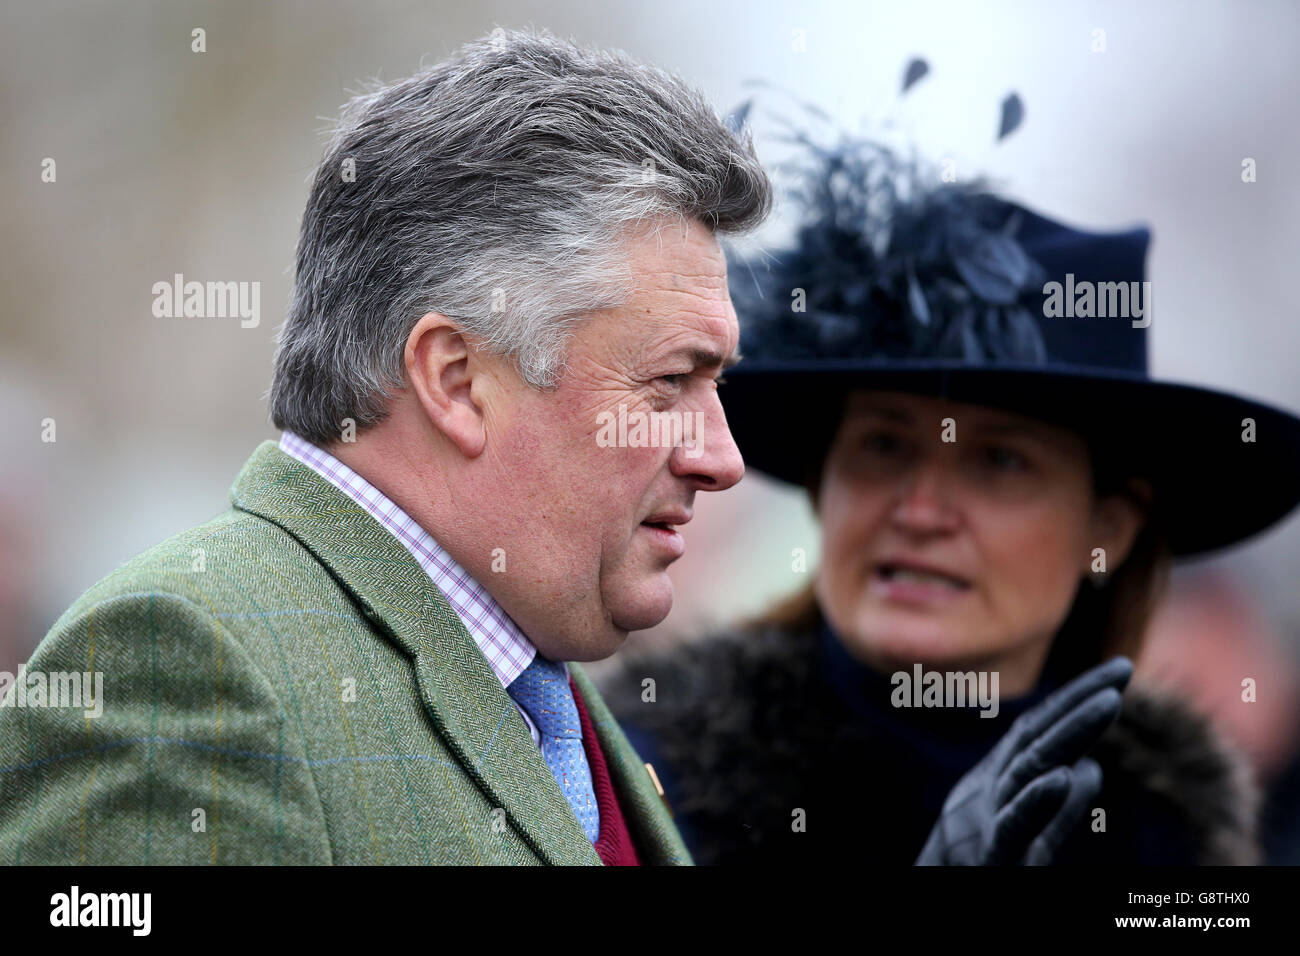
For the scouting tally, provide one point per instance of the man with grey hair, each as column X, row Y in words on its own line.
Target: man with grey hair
column 497, row 386
column 508, row 280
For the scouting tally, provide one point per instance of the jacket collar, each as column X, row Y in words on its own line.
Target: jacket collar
column 456, row 686
column 646, row 809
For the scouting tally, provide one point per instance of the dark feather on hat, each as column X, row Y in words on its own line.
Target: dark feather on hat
column 890, row 267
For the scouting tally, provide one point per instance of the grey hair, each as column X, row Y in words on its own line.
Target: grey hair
column 495, row 188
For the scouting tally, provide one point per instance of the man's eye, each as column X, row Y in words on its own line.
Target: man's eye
column 675, row 380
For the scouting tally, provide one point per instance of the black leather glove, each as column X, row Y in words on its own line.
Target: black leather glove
column 1021, row 801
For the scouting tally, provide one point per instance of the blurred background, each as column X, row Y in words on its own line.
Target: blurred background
column 167, row 160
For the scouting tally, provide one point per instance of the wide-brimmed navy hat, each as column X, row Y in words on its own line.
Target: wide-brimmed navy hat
column 955, row 293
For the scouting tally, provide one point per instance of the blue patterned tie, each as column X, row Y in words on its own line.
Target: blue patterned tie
column 543, row 691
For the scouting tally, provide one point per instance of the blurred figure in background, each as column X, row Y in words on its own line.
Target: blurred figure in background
column 1207, row 639
column 23, row 481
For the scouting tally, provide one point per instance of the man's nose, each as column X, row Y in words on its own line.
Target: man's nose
column 708, row 456
column 924, row 502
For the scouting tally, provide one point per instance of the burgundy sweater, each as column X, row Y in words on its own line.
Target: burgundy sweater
column 614, row 845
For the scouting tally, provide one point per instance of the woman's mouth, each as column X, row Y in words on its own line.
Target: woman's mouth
column 908, row 583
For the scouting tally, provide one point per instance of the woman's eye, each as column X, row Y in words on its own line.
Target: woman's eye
column 1005, row 459
column 880, row 443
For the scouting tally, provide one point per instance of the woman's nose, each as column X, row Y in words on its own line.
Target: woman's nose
column 924, row 502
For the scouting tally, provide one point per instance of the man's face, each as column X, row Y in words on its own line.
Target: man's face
column 587, row 476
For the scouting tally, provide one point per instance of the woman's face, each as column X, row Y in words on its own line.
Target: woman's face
column 957, row 535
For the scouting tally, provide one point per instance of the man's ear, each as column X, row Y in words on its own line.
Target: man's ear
column 1117, row 520
column 441, row 367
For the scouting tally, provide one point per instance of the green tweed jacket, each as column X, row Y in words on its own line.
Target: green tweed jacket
column 285, row 684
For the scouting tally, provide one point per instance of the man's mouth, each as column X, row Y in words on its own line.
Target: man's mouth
column 668, row 518
column 662, row 528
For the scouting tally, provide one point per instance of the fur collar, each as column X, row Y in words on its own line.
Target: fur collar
column 742, row 722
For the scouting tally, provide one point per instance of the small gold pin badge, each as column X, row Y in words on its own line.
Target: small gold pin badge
column 659, row 787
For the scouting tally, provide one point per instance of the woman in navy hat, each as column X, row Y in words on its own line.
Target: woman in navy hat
column 961, row 386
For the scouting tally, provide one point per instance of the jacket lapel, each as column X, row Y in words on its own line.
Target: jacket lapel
column 457, row 687
column 648, row 817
